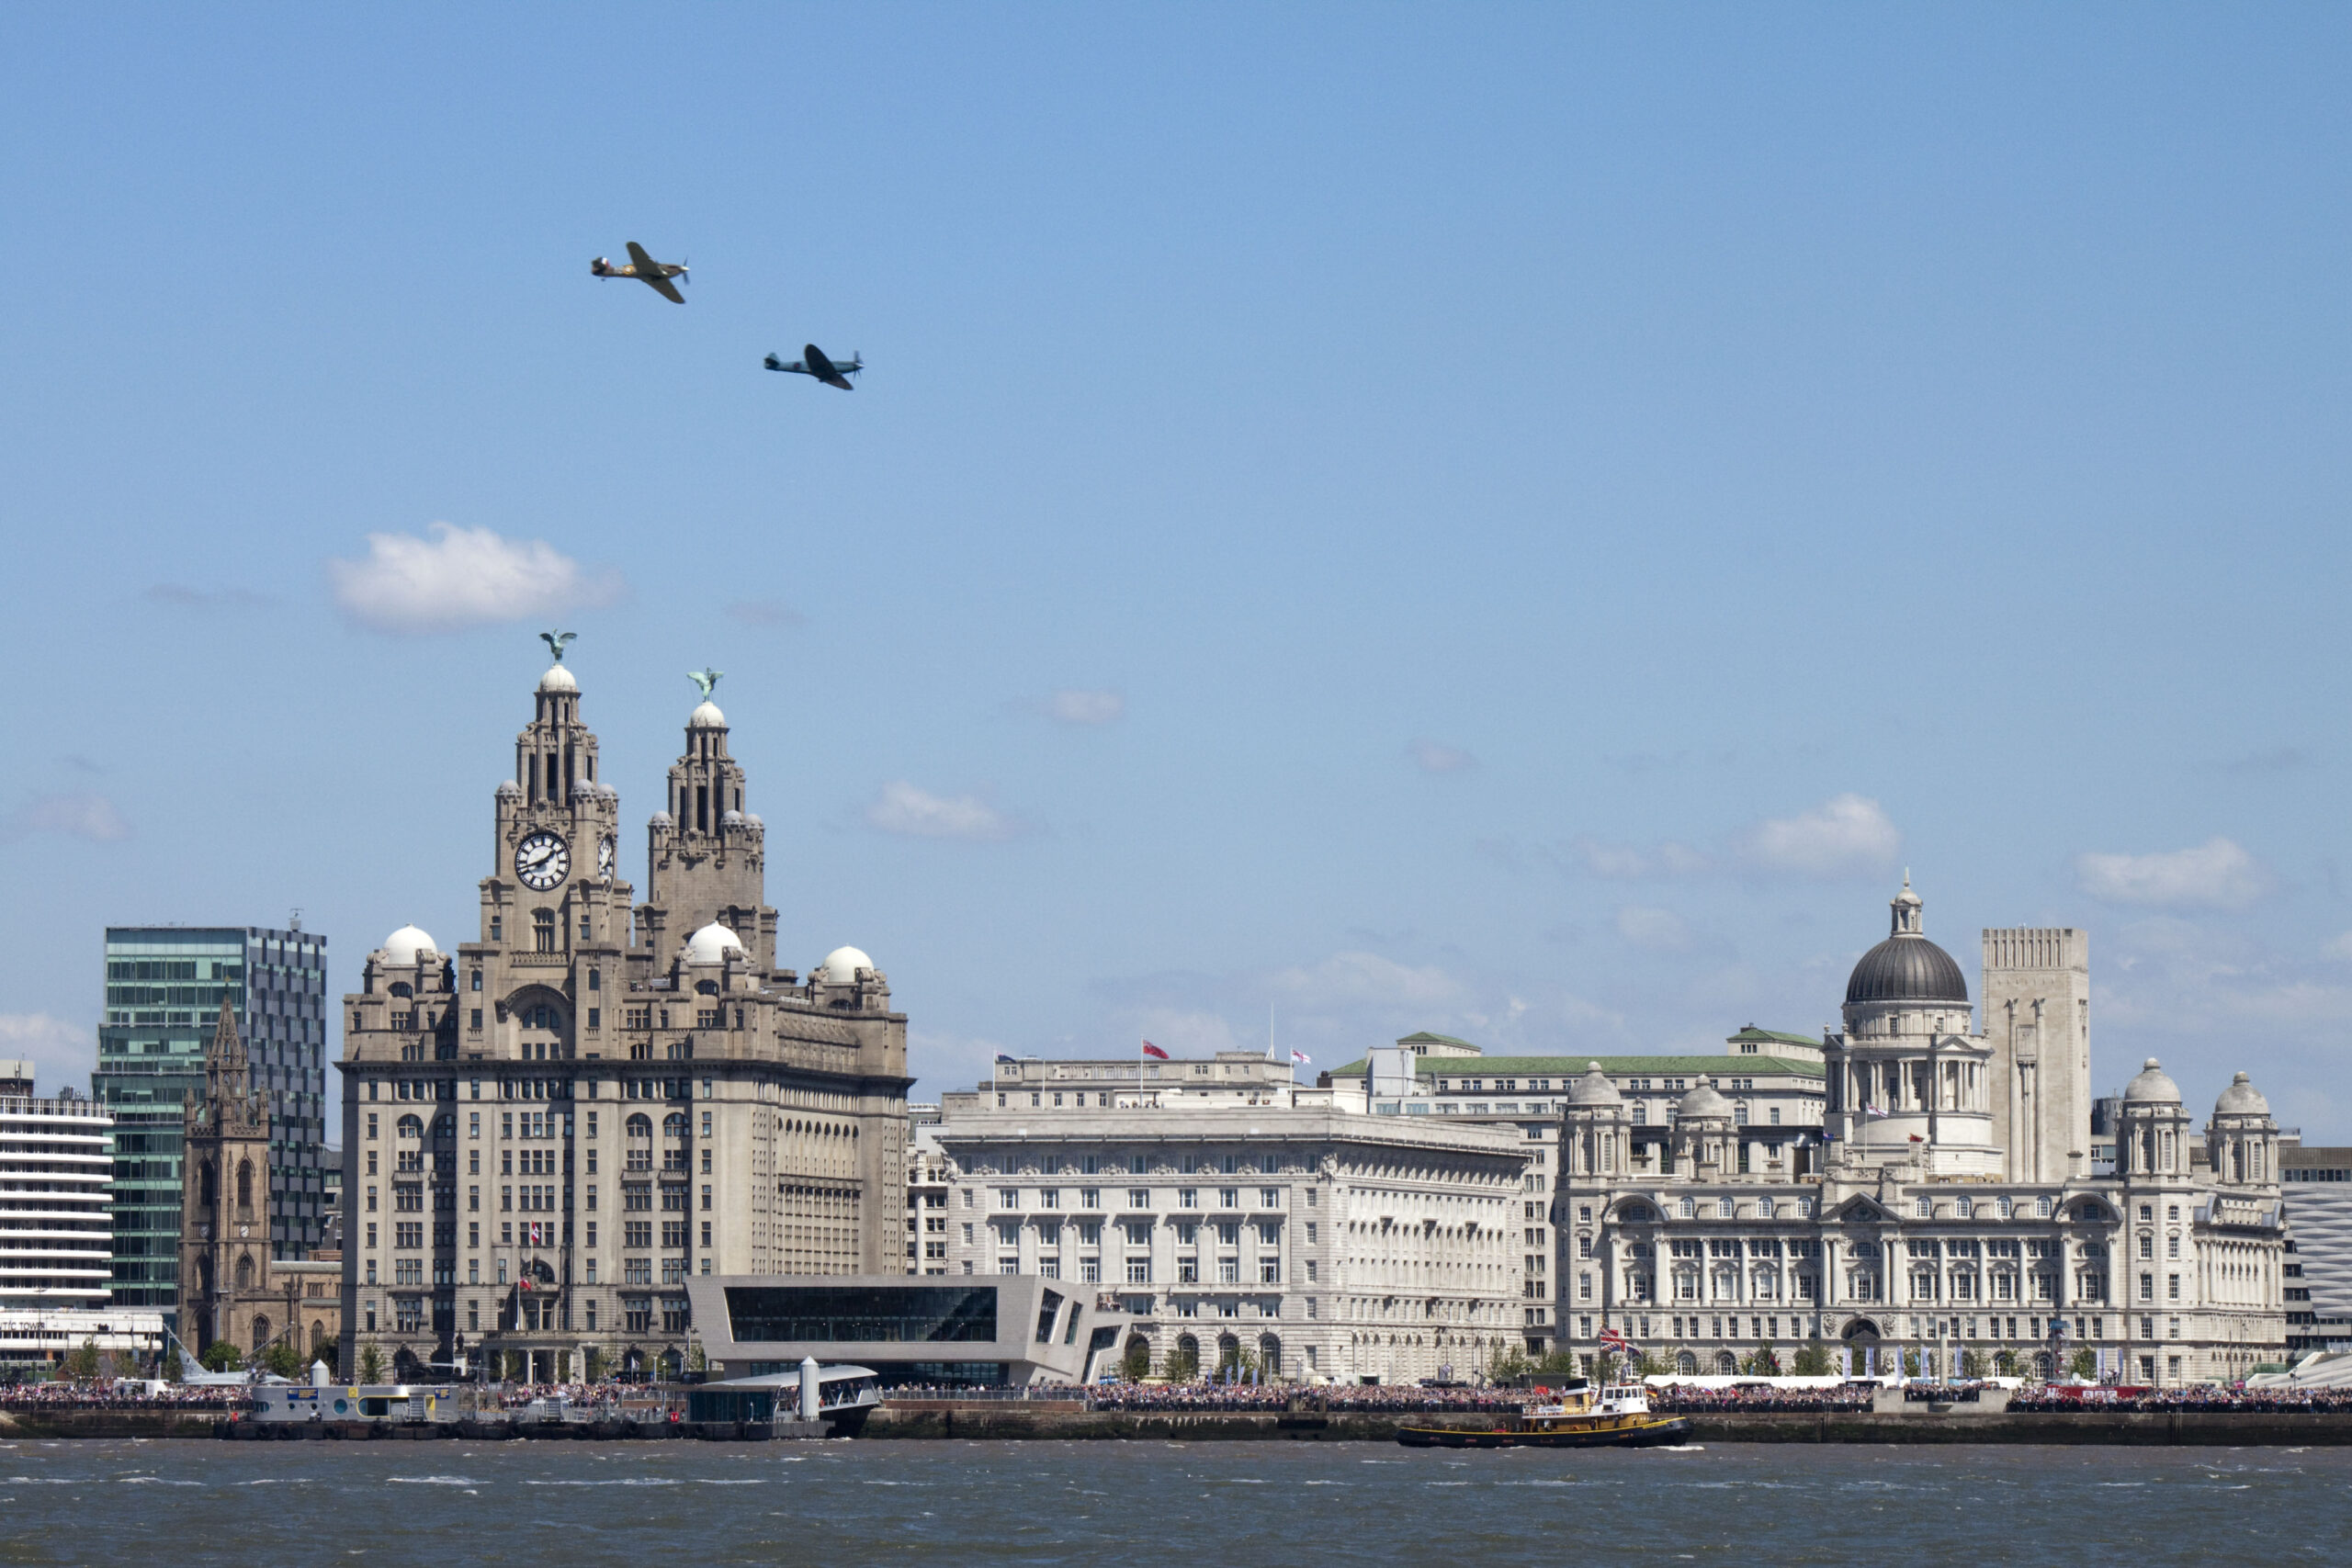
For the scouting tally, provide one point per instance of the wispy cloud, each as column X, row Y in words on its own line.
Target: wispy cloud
column 1083, row 706
column 916, row 813
column 769, row 615
column 69, row 814
column 1848, row 835
column 207, row 601
column 1432, row 757
column 55, row 1048
column 461, row 578
column 1627, row 863
column 1653, row 930
column 2216, row 875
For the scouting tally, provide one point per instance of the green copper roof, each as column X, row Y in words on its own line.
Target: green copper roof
column 1759, row 1035
column 1566, row 1069
column 1426, row 1037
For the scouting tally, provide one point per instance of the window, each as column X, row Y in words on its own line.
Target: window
column 1270, row 1197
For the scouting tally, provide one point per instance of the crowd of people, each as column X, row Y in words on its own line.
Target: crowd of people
column 1383, row 1398
column 1850, row 1398
column 2258, row 1401
column 124, row 1395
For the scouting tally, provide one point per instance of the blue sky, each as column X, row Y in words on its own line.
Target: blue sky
column 1521, row 521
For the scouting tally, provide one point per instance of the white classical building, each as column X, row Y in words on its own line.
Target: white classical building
column 1954, row 1217
column 1238, row 1216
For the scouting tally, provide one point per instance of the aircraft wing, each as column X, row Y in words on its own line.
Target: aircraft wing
column 637, row 254
column 667, row 290
column 776, row 363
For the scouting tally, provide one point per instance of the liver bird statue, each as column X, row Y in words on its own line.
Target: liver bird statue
column 555, row 641
column 706, row 680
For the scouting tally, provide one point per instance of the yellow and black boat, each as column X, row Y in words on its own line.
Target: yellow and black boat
column 1617, row 1416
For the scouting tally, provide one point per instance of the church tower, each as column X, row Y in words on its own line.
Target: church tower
column 706, row 855
column 224, row 1199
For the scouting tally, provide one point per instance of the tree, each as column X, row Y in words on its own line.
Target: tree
column 1508, row 1364
column 1136, row 1364
column 1971, row 1365
column 1647, row 1365
column 222, row 1357
column 1910, row 1363
column 82, row 1363
column 2004, row 1364
column 1557, row 1364
column 598, row 1363
column 172, row 1365
column 1761, row 1363
column 371, row 1362
column 2083, row 1364
column 1183, row 1363
column 1812, row 1359
column 283, row 1360
column 696, row 1361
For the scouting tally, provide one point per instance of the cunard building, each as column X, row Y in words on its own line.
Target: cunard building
column 549, row 1128
column 1954, row 1220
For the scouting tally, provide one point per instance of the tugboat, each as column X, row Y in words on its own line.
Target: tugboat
column 1617, row 1417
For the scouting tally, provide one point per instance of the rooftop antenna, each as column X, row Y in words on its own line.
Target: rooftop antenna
column 294, row 919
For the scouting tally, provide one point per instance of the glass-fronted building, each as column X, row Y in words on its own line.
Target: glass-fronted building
column 163, row 990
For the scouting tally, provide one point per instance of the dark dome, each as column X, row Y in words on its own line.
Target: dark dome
column 1907, row 968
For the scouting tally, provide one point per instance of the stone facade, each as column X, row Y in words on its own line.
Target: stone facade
column 1923, row 1234
column 548, row 1129
column 1246, row 1217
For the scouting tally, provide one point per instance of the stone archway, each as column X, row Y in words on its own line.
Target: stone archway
column 1861, row 1337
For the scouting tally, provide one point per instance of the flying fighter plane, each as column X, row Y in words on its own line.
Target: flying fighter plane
column 654, row 275
column 814, row 363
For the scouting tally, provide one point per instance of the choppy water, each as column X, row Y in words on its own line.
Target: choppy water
column 519, row 1504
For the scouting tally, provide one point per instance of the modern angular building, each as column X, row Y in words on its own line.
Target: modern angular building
column 164, row 985
column 549, row 1128
column 54, row 1222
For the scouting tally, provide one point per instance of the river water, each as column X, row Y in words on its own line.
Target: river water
column 1200, row 1505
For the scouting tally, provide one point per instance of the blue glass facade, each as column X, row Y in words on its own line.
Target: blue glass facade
column 164, row 989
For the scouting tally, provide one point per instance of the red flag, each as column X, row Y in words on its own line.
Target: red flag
column 1152, row 1050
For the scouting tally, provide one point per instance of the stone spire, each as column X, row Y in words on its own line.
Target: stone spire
column 230, row 1103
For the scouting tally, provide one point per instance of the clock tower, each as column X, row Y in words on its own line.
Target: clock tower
column 554, row 914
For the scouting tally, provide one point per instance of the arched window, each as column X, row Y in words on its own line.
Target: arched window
column 211, row 1186
column 317, row 1337
column 673, row 1125
column 244, row 1271
column 244, row 1184
column 1269, row 1355
column 412, row 1127
column 641, row 1126
column 261, row 1334
column 1229, row 1351
column 403, row 988
column 1726, row 1364
column 1687, row 1364
column 445, row 1126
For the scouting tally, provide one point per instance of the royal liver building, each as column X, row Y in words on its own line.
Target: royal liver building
column 1954, row 1219
column 547, row 1130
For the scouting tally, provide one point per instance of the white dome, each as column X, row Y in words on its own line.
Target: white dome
column 711, row 944
column 509, row 790
column 559, row 679
column 707, row 717
column 842, row 965
column 659, row 820
column 404, row 944
column 730, row 818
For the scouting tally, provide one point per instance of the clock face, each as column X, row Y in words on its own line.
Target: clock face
column 542, row 861
column 606, row 851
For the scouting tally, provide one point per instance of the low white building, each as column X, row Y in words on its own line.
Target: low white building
column 1239, row 1218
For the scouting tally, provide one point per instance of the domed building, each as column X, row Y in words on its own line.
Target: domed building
column 1956, row 1224
column 512, row 1102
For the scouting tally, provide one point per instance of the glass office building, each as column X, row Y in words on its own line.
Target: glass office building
column 164, row 989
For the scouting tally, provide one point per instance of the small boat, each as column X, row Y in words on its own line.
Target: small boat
column 1618, row 1416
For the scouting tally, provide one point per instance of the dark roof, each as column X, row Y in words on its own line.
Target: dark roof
column 1907, row 968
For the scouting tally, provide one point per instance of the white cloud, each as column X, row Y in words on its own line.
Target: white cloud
column 1076, row 705
column 1349, row 979
column 1845, row 836
column 1653, row 930
column 1624, row 863
column 72, row 814
column 2340, row 947
column 55, row 1048
column 903, row 808
column 1433, row 758
column 460, row 577
column 2217, row 874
